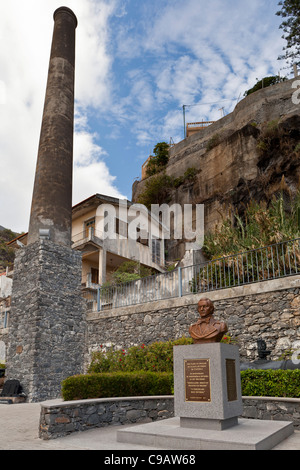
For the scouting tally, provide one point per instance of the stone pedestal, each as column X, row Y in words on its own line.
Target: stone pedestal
column 207, row 405
column 207, row 385
column 47, row 320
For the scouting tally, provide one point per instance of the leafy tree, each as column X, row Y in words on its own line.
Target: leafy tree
column 7, row 254
column 264, row 83
column 159, row 160
column 157, row 190
column 290, row 11
column 130, row 271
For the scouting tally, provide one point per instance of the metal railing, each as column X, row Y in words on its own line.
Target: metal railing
column 262, row 264
column 147, row 289
column 200, row 125
column 87, row 235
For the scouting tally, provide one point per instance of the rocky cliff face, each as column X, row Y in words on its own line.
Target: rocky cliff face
column 242, row 156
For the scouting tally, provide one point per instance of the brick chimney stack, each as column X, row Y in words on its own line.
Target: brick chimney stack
column 51, row 209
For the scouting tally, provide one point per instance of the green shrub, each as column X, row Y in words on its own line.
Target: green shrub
column 190, row 174
column 264, row 383
column 262, row 225
column 117, row 384
column 156, row 357
column 130, row 271
column 213, row 142
column 157, row 190
column 262, row 147
column 264, row 83
column 120, row 383
column 160, row 159
column 7, row 253
column 271, row 383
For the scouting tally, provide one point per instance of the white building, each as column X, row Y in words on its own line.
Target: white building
column 109, row 231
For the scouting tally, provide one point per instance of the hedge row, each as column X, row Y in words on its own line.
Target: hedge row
column 272, row 383
column 117, row 384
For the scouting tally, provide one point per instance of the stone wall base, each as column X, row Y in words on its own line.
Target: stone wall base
column 47, row 321
column 63, row 418
column 58, row 420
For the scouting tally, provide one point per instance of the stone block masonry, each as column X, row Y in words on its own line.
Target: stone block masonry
column 57, row 420
column 63, row 418
column 47, row 322
column 268, row 310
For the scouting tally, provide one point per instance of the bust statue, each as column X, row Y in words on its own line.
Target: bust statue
column 207, row 329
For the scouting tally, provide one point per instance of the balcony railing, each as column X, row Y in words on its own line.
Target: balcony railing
column 200, row 125
column 88, row 235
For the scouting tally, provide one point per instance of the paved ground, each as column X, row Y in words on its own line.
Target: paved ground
column 19, row 431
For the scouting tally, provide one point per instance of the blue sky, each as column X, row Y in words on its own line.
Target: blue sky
column 137, row 63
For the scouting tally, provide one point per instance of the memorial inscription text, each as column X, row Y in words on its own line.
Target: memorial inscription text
column 197, row 380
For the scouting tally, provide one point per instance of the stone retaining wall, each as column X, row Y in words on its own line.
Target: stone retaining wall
column 268, row 408
column 60, row 419
column 268, row 310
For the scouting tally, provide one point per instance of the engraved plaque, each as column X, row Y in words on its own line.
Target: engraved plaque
column 197, row 380
column 231, row 380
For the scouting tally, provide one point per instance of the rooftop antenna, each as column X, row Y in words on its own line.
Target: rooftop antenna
column 184, row 128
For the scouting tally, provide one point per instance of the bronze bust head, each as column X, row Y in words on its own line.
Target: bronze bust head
column 207, row 329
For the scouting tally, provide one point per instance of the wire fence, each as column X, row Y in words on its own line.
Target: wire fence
column 270, row 262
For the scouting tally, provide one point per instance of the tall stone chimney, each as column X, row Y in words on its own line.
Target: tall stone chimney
column 46, row 342
column 51, row 208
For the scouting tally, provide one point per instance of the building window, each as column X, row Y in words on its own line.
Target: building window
column 94, row 275
column 89, row 224
column 142, row 236
column 121, row 227
column 156, row 251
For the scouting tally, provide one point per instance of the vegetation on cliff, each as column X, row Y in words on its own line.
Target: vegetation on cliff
column 158, row 189
column 261, row 225
column 7, row 254
column 159, row 160
column 264, row 83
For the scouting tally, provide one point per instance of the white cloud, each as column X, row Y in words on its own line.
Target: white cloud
column 90, row 174
column 178, row 81
column 134, row 75
column 199, row 52
column 93, row 83
column 25, row 33
column 91, row 179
